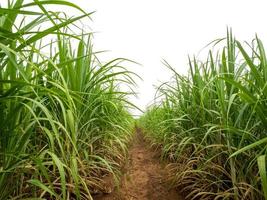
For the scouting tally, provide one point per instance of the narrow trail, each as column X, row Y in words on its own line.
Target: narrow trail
column 144, row 177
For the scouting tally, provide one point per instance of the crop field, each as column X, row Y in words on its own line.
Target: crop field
column 62, row 112
column 212, row 123
column 67, row 131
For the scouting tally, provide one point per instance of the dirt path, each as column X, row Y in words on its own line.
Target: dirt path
column 145, row 178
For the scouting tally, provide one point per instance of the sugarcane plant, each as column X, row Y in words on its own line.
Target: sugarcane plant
column 61, row 109
column 212, row 124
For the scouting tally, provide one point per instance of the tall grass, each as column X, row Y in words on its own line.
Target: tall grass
column 64, row 120
column 212, row 123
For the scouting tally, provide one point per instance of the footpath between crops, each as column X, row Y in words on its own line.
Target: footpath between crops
column 144, row 175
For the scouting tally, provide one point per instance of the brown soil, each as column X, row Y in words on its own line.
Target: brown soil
column 144, row 178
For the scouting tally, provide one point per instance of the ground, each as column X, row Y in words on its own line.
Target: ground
column 144, row 177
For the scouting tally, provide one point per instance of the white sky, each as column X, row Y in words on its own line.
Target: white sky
column 148, row 31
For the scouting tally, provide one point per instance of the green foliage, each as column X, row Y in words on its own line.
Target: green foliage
column 212, row 123
column 64, row 120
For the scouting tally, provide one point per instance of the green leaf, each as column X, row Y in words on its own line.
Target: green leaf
column 42, row 186
column 262, row 169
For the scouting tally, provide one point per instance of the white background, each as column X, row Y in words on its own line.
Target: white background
column 148, row 31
